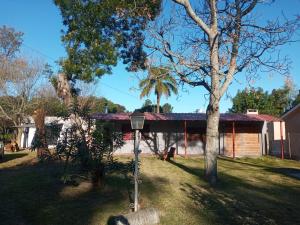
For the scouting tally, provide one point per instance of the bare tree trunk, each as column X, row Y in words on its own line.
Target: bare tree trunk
column 39, row 120
column 158, row 103
column 19, row 137
column 213, row 114
column 212, row 142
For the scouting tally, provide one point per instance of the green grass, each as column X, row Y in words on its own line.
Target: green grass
column 250, row 191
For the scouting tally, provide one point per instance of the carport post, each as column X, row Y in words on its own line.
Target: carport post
column 185, row 139
column 281, row 141
column 233, row 139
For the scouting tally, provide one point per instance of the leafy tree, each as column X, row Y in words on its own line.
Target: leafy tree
column 96, row 105
column 161, row 81
column 98, row 157
column 99, row 32
column 251, row 99
column 296, row 100
column 274, row 103
column 149, row 107
column 167, row 108
column 10, row 42
column 280, row 101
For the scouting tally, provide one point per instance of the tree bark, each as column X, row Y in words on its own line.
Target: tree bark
column 213, row 114
column 19, row 136
column 158, row 103
column 212, row 142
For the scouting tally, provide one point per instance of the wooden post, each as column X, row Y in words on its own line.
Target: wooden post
column 281, row 141
column 289, row 137
column 233, row 140
column 185, row 140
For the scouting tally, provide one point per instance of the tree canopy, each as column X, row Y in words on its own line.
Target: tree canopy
column 99, row 32
column 161, row 82
column 274, row 103
column 148, row 106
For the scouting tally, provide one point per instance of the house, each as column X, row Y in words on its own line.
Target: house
column 240, row 135
column 292, row 123
column 53, row 127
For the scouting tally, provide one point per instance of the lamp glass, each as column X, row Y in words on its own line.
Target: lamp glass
column 137, row 122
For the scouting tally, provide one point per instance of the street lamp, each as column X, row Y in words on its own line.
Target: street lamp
column 137, row 123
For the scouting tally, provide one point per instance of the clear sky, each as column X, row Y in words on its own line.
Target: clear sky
column 41, row 24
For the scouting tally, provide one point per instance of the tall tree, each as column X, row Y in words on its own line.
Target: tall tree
column 19, row 79
column 99, row 32
column 264, row 102
column 167, row 108
column 296, row 101
column 161, row 81
column 208, row 42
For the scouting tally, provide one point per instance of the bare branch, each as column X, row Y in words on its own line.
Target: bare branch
column 190, row 11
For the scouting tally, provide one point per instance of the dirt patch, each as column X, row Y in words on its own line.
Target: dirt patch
column 73, row 191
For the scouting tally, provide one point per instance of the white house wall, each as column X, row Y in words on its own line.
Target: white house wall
column 167, row 136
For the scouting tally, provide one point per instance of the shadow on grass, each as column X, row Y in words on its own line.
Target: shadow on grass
column 290, row 172
column 194, row 171
column 9, row 157
column 287, row 171
column 236, row 200
column 34, row 194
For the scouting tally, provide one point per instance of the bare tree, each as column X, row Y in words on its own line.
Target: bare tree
column 17, row 88
column 208, row 42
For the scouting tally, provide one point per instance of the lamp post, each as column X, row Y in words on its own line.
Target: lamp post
column 137, row 123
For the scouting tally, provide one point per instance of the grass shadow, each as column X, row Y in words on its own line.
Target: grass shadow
column 34, row 194
column 290, row 172
column 9, row 157
column 236, row 200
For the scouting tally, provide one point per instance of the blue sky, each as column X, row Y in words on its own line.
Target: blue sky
column 41, row 24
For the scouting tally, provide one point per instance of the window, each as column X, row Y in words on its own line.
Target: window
column 127, row 132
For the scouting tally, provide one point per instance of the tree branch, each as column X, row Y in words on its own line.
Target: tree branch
column 190, row 11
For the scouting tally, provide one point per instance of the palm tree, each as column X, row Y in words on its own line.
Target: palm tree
column 159, row 79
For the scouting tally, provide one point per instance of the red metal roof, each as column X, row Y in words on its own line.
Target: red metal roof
column 266, row 117
column 182, row 117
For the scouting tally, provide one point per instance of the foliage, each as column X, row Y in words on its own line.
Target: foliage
column 100, row 32
column 93, row 154
column 167, row 108
column 52, row 105
column 274, row 103
column 10, row 42
column 149, row 107
column 161, row 81
column 96, row 105
column 296, row 101
column 6, row 137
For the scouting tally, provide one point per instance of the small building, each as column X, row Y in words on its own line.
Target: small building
column 292, row 123
column 53, row 126
column 273, row 134
column 240, row 135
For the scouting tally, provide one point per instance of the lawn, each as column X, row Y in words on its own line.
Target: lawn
column 250, row 191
